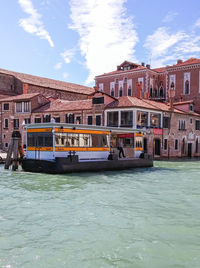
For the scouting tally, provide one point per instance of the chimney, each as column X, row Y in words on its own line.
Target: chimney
column 118, row 68
column 25, row 88
column 96, row 88
column 142, row 63
column 146, row 95
column 179, row 61
column 148, row 66
column 171, row 94
column 139, row 90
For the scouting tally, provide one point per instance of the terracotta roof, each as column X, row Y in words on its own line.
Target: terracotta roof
column 49, row 83
column 140, row 67
column 20, row 97
column 127, row 101
column 159, row 70
column 183, row 102
column 187, row 62
column 64, row 105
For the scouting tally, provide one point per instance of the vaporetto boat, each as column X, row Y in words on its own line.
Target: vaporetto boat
column 63, row 148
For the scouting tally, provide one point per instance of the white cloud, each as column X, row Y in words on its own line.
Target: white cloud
column 165, row 47
column 197, row 24
column 33, row 23
column 170, row 16
column 107, row 34
column 65, row 75
column 68, row 55
column 58, row 66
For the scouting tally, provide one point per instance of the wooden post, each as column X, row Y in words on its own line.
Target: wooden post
column 15, row 149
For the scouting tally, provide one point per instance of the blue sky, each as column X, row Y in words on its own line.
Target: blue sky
column 75, row 40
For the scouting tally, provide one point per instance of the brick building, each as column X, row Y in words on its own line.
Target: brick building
column 183, row 77
column 134, row 96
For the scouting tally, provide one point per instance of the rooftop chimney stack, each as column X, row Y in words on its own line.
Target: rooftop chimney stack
column 139, row 90
column 179, row 61
column 148, row 66
column 142, row 63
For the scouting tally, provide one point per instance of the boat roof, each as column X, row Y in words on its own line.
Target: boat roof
column 83, row 127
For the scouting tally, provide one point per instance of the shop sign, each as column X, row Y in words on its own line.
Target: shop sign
column 127, row 135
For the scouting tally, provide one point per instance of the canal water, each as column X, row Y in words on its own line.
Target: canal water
column 133, row 218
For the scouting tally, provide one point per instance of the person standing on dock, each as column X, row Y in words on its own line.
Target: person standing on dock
column 120, row 148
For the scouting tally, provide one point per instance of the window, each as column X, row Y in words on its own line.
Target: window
column 187, row 87
column 129, row 91
column 46, row 118
column 166, row 122
column 78, row 120
column 99, row 100
column 116, row 81
column 27, row 106
column 89, row 120
column 98, row 120
column 190, row 120
column 57, row 119
column 71, row 118
column 112, row 93
column 112, row 119
column 101, row 87
column 37, row 120
column 19, row 107
column 197, row 124
column 176, row 144
column 142, row 119
column 6, row 145
column 40, row 139
column 155, row 120
column 165, row 144
column 127, row 119
column 16, row 123
column 66, row 118
column 6, row 106
column 27, row 120
column 181, row 125
column 120, row 92
column 191, row 107
column 80, row 140
column 6, row 123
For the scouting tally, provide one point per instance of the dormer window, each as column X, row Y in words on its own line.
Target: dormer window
column 127, row 68
column 191, row 107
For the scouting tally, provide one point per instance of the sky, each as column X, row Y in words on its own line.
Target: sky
column 75, row 40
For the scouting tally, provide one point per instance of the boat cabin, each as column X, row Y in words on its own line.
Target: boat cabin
column 49, row 141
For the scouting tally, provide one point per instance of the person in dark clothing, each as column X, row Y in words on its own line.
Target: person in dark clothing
column 121, row 150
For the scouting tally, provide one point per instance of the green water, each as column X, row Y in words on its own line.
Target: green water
column 134, row 218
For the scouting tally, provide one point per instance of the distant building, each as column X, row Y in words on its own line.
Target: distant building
column 183, row 77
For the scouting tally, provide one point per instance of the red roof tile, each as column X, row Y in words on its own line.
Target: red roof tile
column 187, row 62
column 140, row 67
column 159, row 70
column 64, row 105
column 20, row 97
column 49, row 83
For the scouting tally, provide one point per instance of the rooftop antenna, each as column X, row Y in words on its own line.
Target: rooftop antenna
column 150, row 59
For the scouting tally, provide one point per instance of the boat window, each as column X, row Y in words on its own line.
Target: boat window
column 81, row 140
column 40, row 139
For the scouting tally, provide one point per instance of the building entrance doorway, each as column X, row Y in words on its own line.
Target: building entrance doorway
column 145, row 145
column 189, row 149
column 157, row 147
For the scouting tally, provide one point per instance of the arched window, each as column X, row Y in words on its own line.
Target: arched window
column 183, row 146
column 121, row 92
column 161, row 92
column 151, row 92
column 187, row 87
column 172, row 85
column 129, row 91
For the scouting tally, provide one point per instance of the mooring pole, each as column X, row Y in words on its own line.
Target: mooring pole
column 14, row 150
